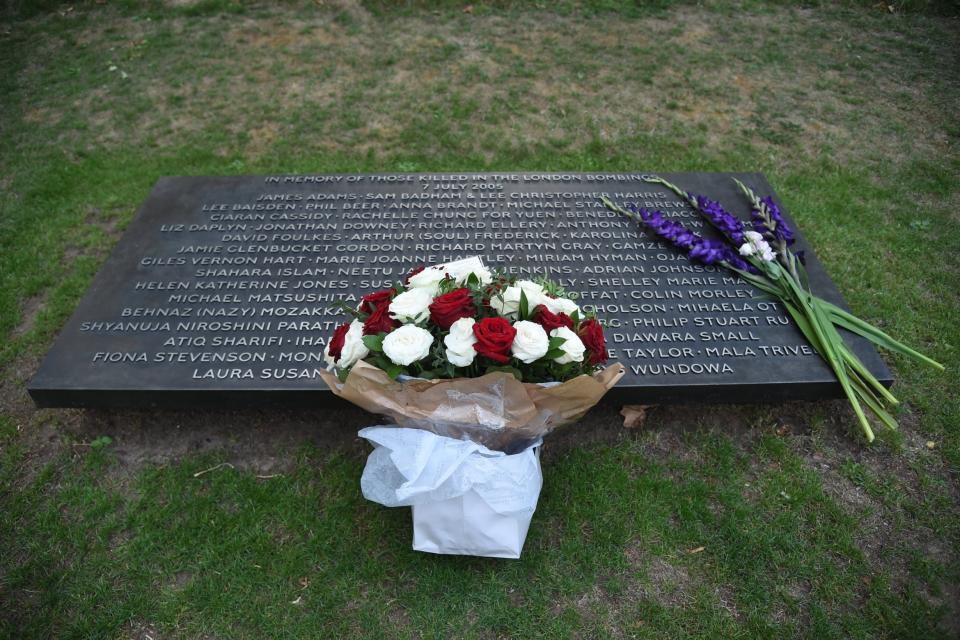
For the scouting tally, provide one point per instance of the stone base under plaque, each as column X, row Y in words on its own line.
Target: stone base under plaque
column 223, row 290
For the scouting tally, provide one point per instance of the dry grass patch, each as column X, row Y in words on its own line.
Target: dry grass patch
column 365, row 84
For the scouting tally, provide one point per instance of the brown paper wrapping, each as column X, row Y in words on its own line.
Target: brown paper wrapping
column 495, row 410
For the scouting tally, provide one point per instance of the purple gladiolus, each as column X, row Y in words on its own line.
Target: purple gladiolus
column 727, row 223
column 709, row 251
column 773, row 228
column 669, row 230
column 705, row 250
column 733, row 259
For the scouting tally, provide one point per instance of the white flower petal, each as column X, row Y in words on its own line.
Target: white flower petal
column 531, row 342
column 572, row 347
column 460, row 341
column 407, row 344
column 353, row 347
column 411, row 305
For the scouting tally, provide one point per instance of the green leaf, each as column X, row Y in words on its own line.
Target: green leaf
column 344, row 307
column 873, row 334
column 556, row 342
column 393, row 370
column 506, row 369
column 524, row 305
column 374, row 343
column 553, row 354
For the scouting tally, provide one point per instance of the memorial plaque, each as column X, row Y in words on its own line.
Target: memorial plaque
column 222, row 291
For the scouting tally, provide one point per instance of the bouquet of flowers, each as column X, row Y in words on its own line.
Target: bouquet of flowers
column 759, row 252
column 473, row 368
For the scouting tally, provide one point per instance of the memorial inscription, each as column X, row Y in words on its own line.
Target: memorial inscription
column 224, row 289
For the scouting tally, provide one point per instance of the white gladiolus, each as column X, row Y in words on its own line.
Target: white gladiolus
column 560, row 305
column 756, row 245
column 428, row 279
column 460, row 341
column 353, row 348
column 407, row 344
column 411, row 305
column 531, row 342
column 572, row 347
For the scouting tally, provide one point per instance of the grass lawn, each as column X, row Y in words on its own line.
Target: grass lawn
column 740, row 522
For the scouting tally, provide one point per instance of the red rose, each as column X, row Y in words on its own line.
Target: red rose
column 591, row 333
column 411, row 274
column 379, row 321
column 450, row 307
column 494, row 338
column 550, row 320
column 376, row 299
column 336, row 342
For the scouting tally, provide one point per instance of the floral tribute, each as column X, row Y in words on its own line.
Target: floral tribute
column 473, row 368
column 759, row 251
column 462, row 320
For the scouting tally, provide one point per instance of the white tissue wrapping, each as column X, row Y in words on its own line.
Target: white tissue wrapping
column 467, row 499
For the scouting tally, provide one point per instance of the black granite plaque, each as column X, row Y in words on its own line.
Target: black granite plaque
column 222, row 291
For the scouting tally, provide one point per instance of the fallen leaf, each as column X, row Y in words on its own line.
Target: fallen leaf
column 304, row 582
column 297, row 601
column 634, row 415
column 697, row 550
column 931, row 444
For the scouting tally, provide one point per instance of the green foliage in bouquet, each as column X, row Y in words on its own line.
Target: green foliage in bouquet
column 454, row 321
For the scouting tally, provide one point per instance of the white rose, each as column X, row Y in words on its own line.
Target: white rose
column 353, row 348
column 506, row 302
column 460, row 341
column 461, row 270
column 572, row 347
column 428, row 279
column 560, row 305
column 411, row 306
column 534, row 292
column 407, row 344
column 483, row 275
column 531, row 342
